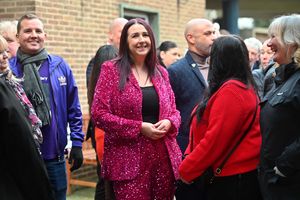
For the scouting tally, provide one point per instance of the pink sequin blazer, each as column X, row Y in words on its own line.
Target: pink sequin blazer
column 119, row 114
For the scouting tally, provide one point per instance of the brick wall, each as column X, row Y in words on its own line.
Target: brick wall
column 76, row 28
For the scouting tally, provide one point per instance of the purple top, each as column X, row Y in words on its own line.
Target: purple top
column 49, row 147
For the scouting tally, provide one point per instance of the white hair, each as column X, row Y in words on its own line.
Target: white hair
column 253, row 43
column 8, row 26
column 287, row 28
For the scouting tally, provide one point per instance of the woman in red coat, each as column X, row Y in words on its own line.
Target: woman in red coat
column 218, row 123
column 134, row 104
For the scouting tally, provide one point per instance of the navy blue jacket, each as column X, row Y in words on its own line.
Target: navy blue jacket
column 188, row 85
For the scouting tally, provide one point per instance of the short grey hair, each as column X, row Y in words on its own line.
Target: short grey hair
column 287, row 28
column 253, row 43
column 8, row 27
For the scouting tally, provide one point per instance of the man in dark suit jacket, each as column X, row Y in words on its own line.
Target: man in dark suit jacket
column 188, row 76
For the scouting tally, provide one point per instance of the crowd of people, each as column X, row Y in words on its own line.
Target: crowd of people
column 160, row 123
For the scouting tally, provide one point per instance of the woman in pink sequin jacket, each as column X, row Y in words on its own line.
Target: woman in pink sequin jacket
column 134, row 104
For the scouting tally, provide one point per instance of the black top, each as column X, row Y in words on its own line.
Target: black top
column 150, row 105
column 280, row 117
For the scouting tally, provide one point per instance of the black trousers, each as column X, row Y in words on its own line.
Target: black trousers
column 237, row 187
column 100, row 191
column 104, row 188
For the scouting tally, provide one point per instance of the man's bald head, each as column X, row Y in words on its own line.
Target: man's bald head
column 200, row 34
column 192, row 25
column 115, row 30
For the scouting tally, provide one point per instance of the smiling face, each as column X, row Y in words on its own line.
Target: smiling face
column 138, row 40
column 31, row 36
column 282, row 52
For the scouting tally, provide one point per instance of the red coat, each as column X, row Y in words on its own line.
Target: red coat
column 226, row 117
column 119, row 114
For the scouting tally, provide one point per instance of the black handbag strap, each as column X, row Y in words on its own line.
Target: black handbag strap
column 219, row 169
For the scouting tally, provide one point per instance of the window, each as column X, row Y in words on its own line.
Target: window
column 149, row 15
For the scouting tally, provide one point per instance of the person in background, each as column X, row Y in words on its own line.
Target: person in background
column 21, row 168
column 217, row 29
column 115, row 30
column 167, row 53
column 15, row 84
column 266, row 65
column 8, row 29
column 253, row 46
column 266, row 55
column 104, row 53
column 50, row 86
column 224, row 32
column 228, row 112
column 113, row 38
column 280, row 114
column 135, row 106
column 188, row 76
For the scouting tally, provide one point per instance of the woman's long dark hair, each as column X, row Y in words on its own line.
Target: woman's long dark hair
column 124, row 61
column 229, row 59
column 104, row 53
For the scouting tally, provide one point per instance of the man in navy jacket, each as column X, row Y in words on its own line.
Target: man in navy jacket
column 188, row 76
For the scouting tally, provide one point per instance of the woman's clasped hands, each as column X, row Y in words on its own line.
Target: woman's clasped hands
column 157, row 130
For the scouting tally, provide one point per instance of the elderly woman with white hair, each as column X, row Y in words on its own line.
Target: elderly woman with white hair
column 253, row 46
column 279, row 170
column 8, row 29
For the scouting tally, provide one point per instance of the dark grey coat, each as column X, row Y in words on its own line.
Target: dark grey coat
column 280, row 128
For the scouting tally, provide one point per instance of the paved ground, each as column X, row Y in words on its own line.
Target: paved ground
column 82, row 193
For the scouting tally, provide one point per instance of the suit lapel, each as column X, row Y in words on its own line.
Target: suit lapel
column 195, row 69
column 133, row 81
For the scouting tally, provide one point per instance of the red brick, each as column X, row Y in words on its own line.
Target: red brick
column 77, row 28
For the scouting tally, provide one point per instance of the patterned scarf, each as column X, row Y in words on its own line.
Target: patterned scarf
column 31, row 115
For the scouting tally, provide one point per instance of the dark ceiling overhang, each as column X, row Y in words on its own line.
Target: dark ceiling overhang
column 260, row 9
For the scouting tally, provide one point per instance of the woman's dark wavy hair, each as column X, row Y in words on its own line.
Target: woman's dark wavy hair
column 104, row 53
column 165, row 46
column 124, row 60
column 229, row 59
